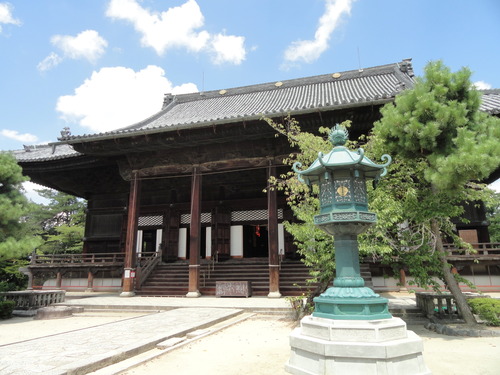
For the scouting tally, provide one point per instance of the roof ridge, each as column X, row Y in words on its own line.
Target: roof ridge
column 382, row 81
column 490, row 91
column 294, row 82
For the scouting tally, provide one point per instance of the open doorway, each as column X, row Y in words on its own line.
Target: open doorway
column 255, row 241
column 149, row 238
column 203, row 243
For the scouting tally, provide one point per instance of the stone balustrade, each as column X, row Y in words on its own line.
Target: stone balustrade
column 34, row 299
column 441, row 305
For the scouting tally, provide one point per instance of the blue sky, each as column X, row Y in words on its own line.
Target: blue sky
column 98, row 65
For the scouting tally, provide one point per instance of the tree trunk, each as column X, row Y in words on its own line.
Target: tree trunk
column 450, row 280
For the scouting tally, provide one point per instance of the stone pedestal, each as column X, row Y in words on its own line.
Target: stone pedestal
column 364, row 347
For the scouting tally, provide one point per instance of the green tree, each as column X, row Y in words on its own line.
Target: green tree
column 442, row 144
column 15, row 242
column 314, row 245
column 493, row 216
column 60, row 222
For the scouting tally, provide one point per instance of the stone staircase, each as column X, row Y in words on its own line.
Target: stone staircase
column 172, row 279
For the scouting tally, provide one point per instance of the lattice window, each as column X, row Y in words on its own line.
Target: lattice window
column 253, row 215
column 326, row 192
column 360, row 190
column 150, row 221
column 205, row 217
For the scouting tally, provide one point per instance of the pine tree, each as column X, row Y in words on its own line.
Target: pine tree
column 14, row 241
column 60, row 223
column 443, row 145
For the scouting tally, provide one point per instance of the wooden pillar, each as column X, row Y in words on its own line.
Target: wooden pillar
column 130, row 240
column 272, row 229
column 195, row 236
column 90, row 281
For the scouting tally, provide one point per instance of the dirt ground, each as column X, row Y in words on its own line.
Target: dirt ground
column 260, row 346
column 256, row 346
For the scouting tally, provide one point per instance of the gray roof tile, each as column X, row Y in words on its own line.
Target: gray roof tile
column 490, row 101
column 347, row 89
column 45, row 153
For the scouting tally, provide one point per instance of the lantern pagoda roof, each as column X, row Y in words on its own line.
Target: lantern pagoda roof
column 340, row 157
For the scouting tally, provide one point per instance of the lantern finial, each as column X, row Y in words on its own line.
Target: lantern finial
column 338, row 135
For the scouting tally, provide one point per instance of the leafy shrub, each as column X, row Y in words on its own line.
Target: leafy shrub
column 6, row 308
column 488, row 309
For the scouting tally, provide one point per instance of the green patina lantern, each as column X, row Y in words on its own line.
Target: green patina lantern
column 341, row 176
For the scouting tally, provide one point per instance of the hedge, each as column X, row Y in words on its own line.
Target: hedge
column 6, row 308
column 488, row 309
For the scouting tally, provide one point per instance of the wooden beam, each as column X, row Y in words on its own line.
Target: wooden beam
column 231, row 165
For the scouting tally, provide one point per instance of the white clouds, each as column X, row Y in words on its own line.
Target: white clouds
column 178, row 28
column 87, row 45
column 49, row 62
column 13, row 134
column 309, row 51
column 31, row 193
column 116, row 97
column 481, row 85
column 228, row 48
column 6, row 16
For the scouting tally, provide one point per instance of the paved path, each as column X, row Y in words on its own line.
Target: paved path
column 88, row 349
column 254, row 304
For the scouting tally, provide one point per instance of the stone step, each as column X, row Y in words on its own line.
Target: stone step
column 174, row 277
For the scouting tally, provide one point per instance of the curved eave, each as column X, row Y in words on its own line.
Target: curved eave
column 45, row 153
column 218, row 121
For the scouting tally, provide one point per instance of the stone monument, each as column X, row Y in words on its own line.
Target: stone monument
column 351, row 330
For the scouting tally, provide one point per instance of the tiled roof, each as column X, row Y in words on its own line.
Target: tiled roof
column 330, row 91
column 44, row 153
column 324, row 92
column 490, row 101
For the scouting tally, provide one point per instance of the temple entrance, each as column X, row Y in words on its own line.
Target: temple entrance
column 255, row 241
column 148, row 240
column 203, row 243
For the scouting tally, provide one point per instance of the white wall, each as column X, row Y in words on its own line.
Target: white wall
column 159, row 234
column 236, row 241
column 138, row 244
column 281, row 239
column 182, row 243
column 208, row 242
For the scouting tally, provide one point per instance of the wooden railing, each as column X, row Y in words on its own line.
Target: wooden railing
column 487, row 250
column 146, row 262
column 68, row 259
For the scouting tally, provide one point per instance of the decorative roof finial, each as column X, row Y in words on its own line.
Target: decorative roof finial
column 65, row 133
column 338, row 135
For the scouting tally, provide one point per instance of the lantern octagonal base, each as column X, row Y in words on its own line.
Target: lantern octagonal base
column 382, row 347
column 345, row 222
column 359, row 303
